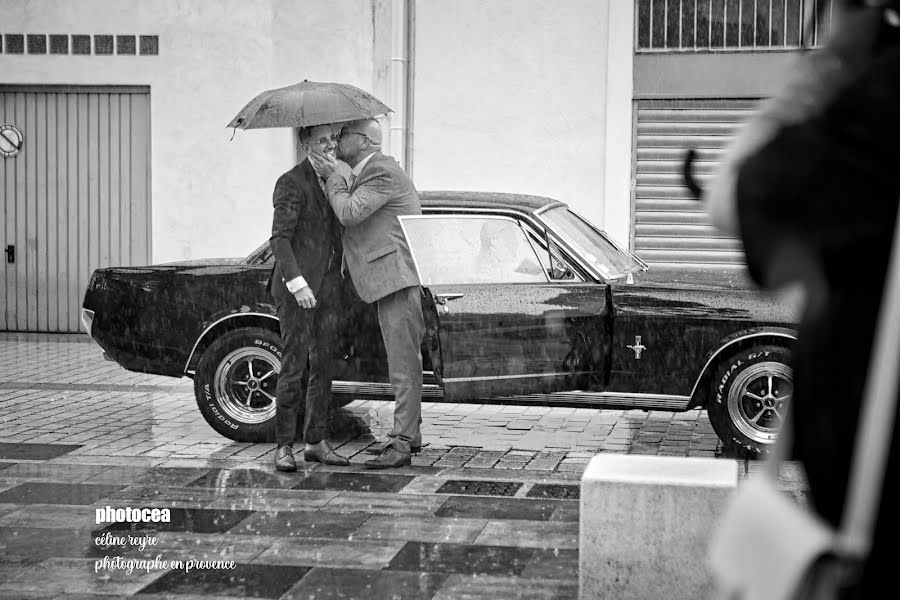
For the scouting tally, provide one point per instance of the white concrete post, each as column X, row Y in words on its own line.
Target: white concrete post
column 646, row 522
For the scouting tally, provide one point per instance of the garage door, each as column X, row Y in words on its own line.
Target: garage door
column 670, row 228
column 76, row 197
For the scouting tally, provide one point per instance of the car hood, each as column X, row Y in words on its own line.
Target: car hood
column 789, row 299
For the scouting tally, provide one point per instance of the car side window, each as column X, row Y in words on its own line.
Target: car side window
column 459, row 249
column 560, row 264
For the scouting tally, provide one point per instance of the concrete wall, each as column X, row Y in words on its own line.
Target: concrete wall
column 210, row 196
column 712, row 75
column 527, row 96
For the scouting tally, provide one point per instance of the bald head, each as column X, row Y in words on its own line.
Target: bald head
column 370, row 127
column 358, row 140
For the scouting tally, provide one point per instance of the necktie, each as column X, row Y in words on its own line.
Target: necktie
column 344, row 254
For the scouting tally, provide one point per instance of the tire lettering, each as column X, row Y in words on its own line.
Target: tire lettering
column 212, row 407
column 725, row 377
column 271, row 348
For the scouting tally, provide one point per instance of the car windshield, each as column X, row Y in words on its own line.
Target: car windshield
column 601, row 253
column 260, row 256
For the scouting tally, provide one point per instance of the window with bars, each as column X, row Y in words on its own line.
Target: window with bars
column 730, row 25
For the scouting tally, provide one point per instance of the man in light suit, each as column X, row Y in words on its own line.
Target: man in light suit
column 306, row 285
column 381, row 267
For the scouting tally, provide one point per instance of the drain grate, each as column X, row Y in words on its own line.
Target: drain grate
column 559, row 492
column 480, row 488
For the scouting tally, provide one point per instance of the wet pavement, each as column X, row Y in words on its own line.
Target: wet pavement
column 488, row 509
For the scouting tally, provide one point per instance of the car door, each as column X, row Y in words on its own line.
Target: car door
column 360, row 364
column 504, row 328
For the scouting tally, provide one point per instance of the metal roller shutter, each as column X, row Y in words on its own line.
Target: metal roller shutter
column 670, row 228
column 77, row 197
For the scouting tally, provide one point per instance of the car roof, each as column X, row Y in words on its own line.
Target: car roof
column 492, row 200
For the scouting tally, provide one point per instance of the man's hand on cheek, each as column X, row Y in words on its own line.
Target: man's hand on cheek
column 324, row 164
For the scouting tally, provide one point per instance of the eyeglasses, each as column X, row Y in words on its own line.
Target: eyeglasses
column 334, row 137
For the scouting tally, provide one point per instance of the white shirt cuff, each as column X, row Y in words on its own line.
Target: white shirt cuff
column 296, row 284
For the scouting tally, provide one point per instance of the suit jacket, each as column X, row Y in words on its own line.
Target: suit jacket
column 375, row 249
column 306, row 235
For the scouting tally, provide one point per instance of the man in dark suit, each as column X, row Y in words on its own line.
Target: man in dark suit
column 306, row 285
column 381, row 267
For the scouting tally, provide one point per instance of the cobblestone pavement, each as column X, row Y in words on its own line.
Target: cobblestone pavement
column 114, row 412
column 487, row 510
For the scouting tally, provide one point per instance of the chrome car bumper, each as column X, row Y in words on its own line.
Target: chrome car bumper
column 87, row 321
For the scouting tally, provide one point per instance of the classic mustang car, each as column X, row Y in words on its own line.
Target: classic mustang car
column 525, row 302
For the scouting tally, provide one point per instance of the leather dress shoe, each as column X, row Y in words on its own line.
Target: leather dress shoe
column 391, row 458
column 284, row 459
column 323, row 453
column 377, row 449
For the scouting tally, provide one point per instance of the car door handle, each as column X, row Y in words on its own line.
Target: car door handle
column 443, row 298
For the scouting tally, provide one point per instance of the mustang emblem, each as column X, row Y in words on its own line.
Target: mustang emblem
column 638, row 347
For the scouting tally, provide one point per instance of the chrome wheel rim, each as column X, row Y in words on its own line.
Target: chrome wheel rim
column 759, row 400
column 245, row 383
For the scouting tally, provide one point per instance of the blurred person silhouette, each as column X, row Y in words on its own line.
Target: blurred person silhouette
column 811, row 186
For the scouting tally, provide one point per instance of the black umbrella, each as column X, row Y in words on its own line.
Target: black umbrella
column 308, row 103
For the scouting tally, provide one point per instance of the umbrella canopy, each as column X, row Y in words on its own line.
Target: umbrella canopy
column 306, row 104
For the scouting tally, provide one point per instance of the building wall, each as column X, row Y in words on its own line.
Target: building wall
column 526, row 96
column 211, row 195
column 711, row 75
column 510, row 95
column 617, row 191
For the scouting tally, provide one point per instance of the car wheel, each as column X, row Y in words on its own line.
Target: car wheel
column 751, row 393
column 235, row 384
